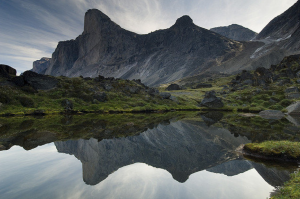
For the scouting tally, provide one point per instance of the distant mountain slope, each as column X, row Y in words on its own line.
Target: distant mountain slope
column 104, row 48
column 235, row 32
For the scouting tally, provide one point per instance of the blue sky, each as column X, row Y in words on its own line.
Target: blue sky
column 31, row 29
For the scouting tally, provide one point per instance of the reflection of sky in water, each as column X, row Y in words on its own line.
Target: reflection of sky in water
column 44, row 173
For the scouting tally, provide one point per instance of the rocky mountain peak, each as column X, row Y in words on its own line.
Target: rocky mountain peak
column 184, row 21
column 95, row 19
column 235, row 32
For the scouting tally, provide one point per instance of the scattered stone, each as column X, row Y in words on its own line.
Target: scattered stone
column 210, row 100
column 165, row 95
column 292, row 90
column 152, row 91
column 271, row 114
column 100, row 96
column 293, row 96
column 202, row 85
column 293, row 109
column 67, row 104
column 133, row 89
column 107, row 86
column 173, row 87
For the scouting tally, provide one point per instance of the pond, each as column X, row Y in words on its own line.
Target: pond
column 172, row 155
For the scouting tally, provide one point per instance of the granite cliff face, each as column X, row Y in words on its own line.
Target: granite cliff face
column 235, row 32
column 104, row 48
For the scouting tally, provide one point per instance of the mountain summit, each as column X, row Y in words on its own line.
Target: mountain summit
column 104, row 48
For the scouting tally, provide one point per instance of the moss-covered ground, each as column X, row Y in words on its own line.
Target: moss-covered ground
column 291, row 189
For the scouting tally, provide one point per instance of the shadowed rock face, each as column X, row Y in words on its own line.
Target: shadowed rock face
column 182, row 148
column 104, row 48
column 235, row 32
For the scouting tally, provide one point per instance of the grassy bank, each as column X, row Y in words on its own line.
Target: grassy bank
column 286, row 150
column 291, row 189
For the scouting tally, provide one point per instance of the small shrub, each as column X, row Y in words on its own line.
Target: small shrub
column 26, row 101
column 285, row 102
column 276, row 107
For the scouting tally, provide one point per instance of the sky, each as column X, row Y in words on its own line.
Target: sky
column 31, row 29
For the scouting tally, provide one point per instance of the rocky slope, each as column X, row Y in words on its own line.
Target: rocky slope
column 104, row 48
column 235, row 32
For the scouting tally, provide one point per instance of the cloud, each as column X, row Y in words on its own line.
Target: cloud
column 31, row 29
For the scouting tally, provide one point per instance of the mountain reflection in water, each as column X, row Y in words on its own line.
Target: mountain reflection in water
column 140, row 156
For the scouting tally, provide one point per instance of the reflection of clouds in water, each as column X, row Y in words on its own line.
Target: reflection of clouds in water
column 44, row 173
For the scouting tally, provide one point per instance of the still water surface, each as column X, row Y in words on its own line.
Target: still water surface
column 178, row 158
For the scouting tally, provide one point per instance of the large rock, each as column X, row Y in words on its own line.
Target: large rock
column 271, row 114
column 173, row 87
column 294, row 109
column 6, row 71
column 211, row 101
column 165, row 95
column 38, row 81
column 202, row 85
column 292, row 90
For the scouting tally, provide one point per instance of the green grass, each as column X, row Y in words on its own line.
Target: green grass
column 288, row 149
column 291, row 189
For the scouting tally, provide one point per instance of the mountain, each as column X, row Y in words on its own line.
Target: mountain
column 235, row 32
column 40, row 66
column 104, row 48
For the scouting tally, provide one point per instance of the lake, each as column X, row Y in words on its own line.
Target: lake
column 171, row 155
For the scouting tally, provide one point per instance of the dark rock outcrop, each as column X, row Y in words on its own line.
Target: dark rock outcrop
column 67, row 105
column 235, row 32
column 173, row 87
column 38, row 81
column 6, row 71
column 211, row 101
column 100, row 96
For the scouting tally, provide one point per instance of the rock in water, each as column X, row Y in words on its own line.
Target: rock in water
column 271, row 114
column 211, row 101
column 294, row 109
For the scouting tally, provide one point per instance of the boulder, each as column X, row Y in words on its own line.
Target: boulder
column 152, row 91
column 165, row 95
column 202, row 85
column 100, row 96
column 293, row 109
column 133, row 89
column 6, row 71
column 173, row 87
column 246, row 75
column 67, row 104
column 292, row 90
column 293, row 96
column 38, row 81
column 271, row 114
column 211, row 101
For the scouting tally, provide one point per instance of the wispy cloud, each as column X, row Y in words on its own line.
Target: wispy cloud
column 31, row 29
